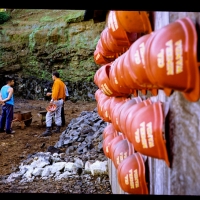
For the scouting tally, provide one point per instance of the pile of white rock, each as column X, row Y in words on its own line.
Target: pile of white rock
column 44, row 165
column 84, row 153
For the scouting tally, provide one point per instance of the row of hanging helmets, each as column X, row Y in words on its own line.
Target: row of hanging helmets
column 135, row 130
column 134, row 58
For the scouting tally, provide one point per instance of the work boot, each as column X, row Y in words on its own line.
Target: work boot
column 47, row 132
column 57, row 130
column 12, row 132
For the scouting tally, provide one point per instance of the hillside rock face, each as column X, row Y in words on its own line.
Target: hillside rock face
column 36, row 42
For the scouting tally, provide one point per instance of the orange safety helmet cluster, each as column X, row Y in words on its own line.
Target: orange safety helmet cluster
column 133, row 58
column 171, row 59
column 136, row 126
column 118, row 36
column 126, row 160
column 155, row 60
column 106, row 104
column 141, row 123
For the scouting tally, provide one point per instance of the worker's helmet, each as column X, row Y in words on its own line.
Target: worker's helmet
column 122, row 150
column 51, row 107
column 171, row 58
column 134, row 21
column 130, row 116
column 109, row 130
column 131, row 175
column 147, row 133
column 106, row 145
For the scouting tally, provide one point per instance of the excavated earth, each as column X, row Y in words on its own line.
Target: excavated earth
column 16, row 148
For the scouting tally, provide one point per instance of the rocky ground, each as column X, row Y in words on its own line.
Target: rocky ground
column 16, row 148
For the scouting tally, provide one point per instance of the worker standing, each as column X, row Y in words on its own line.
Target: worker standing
column 57, row 97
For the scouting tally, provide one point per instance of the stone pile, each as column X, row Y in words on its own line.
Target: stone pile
column 83, row 135
column 83, row 162
column 43, row 165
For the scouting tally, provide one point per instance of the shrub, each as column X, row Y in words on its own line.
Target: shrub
column 4, row 16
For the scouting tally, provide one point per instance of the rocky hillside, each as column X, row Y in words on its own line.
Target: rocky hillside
column 35, row 42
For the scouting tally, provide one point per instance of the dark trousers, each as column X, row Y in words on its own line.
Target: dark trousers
column 6, row 118
column 63, row 115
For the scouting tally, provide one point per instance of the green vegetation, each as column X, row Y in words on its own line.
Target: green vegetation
column 4, row 17
column 74, row 16
column 96, row 41
column 62, row 73
column 46, row 41
column 46, row 19
column 37, row 72
column 32, row 39
column 45, row 75
column 33, row 61
column 33, row 69
column 90, row 78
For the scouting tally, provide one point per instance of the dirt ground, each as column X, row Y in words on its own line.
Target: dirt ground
column 16, row 147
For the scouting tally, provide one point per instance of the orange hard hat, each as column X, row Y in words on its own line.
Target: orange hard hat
column 114, row 114
column 100, row 104
column 136, row 66
column 125, row 68
column 104, row 82
column 146, row 132
column 131, row 175
column 105, row 109
column 116, row 45
column 105, row 42
column 106, row 54
column 116, row 80
column 115, row 28
column 171, row 58
column 99, row 75
column 112, row 44
column 134, row 21
column 129, row 118
column 117, row 65
column 102, row 45
column 125, row 72
column 123, row 112
column 113, row 144
column 109, row 130
column 114, row 101
column 98, row 94
column 106, row 145
column 118, row 32
column 51, row 107
column 100, row 59
column 122, row 150
column 96, row 77
column 120, row 78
